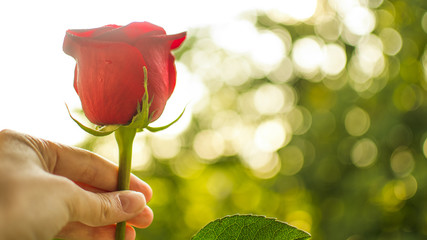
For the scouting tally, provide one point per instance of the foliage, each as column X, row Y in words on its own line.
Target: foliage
column 249, row 227
column 333, row 145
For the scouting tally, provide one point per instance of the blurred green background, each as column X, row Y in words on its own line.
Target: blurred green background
column 317, row 119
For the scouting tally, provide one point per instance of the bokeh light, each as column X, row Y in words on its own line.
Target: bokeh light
column 271, row 135
column 364, row 153
column 300, row 219
column 299, row 119
column 269, row 99
column 292, row 160
column 402, row 162
column 291, row 11
column 264, row 48
column 424, row 22
column 391, row 40
column 405, row 188
column 334, row 59
column 307, row 55
column 263, row 165
column 424, row 146
column 359, row 20
column 329, row 27
column 424, row 62
column 165, row 147
column 357, row 121
column 208, row 144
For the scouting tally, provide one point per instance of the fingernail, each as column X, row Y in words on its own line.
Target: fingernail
column 132, row 201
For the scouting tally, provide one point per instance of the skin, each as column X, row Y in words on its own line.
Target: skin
column 51, row 190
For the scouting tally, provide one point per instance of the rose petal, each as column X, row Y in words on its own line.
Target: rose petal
column 161, row 70
column 172, row 74
column 94, row 32
column 177, row 39
column 75, row 79
column 131, row 32
column 109, row 80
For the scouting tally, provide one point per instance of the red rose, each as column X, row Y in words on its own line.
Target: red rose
column 109, row 77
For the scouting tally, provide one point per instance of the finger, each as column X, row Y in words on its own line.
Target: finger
column 142, row 220
column 89, row 188
column 134, row 186
column 100, row 209
column 80, row 231
column 83, row 166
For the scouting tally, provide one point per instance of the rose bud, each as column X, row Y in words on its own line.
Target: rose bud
column 109, row 76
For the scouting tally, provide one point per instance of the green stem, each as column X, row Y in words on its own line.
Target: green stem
column 124, row 137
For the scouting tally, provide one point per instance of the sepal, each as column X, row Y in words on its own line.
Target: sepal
column 156, row 129
column 98, row 131
column 143, row 116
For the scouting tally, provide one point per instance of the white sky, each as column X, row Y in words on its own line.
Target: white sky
column 36, row 77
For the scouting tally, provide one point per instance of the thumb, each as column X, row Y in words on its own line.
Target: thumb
column 100, row 209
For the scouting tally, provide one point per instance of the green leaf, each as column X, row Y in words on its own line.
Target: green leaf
column 249, row 227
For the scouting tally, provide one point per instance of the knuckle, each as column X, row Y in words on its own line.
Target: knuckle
column 7, row 134
column 108, row 207
column 90, row 172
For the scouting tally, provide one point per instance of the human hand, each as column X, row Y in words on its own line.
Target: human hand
column 51, row 190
